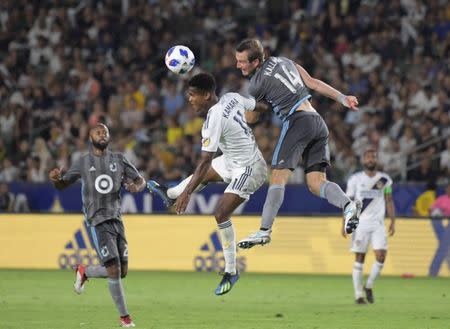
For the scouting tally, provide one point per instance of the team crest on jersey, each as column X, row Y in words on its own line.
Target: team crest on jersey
column 104, row 251
column 205, row 142
column 379, row 185
column 113, row 167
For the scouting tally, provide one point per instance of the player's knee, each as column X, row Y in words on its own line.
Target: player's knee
column 112, row 267
column 220, row 215
column 380, row 258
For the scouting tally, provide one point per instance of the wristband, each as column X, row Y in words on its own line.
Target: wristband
column 341, row 99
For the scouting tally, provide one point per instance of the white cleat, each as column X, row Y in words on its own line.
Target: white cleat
column 351, row 216
column 80, row 279
column 257, row 238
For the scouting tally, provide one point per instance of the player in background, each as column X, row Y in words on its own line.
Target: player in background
column 284, row 84
column 374, row 189
column 102, row 174
column 242, row 165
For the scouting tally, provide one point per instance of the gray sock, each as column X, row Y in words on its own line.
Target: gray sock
column 334, row 194
column 118, row 295
column 274, row 200
column 96, row 271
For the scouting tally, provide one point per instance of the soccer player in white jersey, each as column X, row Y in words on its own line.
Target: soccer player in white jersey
column 374, row 189
column 241, row 166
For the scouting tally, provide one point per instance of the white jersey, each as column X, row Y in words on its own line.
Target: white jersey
column 226, row 128
column 370, row 191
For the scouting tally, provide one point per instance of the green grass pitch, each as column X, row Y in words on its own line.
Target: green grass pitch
column 168, row 300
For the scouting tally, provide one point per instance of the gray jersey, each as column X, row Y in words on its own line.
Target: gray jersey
column 278, row 82
column 101, row 180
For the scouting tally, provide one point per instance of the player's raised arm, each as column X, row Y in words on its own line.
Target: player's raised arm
column 326, row 90
column 62, row 179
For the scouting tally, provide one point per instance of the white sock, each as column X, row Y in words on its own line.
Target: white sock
column 374, row 273
column 357, row 275
column 227, row 237
column 174, row 192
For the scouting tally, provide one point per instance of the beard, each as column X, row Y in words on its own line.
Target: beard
column 370, row 166
column 99, row 145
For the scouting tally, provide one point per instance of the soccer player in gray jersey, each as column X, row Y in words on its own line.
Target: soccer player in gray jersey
column 102, row 175
column 284, row 84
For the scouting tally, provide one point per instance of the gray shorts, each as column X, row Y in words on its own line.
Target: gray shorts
column 304, row 135
column 109, row 240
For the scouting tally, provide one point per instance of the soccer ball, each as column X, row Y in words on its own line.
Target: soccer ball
column 180, row 59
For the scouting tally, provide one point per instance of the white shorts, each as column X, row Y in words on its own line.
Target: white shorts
column 243, row 181
column 376, row 236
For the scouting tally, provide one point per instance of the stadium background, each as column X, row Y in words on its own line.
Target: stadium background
column 66, row 65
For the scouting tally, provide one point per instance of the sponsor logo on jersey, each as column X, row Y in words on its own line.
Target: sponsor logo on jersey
column 205, row 142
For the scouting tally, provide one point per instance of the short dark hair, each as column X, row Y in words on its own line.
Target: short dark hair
column 254, row 48
column 203, row 82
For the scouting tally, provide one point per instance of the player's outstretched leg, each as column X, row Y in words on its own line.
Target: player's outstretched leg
column 351, row 214
column 155, row 188
column 254, row 239
column 80, row 278
column 226, row 283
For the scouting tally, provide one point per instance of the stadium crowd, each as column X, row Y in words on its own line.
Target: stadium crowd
column 67, row 64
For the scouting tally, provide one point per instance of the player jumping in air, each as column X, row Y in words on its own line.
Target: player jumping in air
column 102, row 175
column 284, row 84
column 241, row 165
column 374, row 189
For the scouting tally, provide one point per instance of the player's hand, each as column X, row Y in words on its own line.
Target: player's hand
column 352, row 102
column 392, row 229
column 131, row 187
column 182, row 202
column 55, row 175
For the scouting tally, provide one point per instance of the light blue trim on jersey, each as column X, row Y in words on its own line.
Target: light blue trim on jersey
column 296, row 105
column 82, row 200
column 95, row 239
column 280, row 141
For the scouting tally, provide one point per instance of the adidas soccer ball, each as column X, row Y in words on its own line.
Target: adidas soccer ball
column 180, row 59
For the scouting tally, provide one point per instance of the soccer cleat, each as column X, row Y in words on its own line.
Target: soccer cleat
column 80, row 278
column 155, row 188
column 360, row 301
column 369, row 295
column 227, row 282
column 260, row 237
column 351, row 215
column 126, row 322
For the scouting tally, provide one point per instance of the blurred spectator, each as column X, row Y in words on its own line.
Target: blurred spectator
column 64, row 68
column 6, row 198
